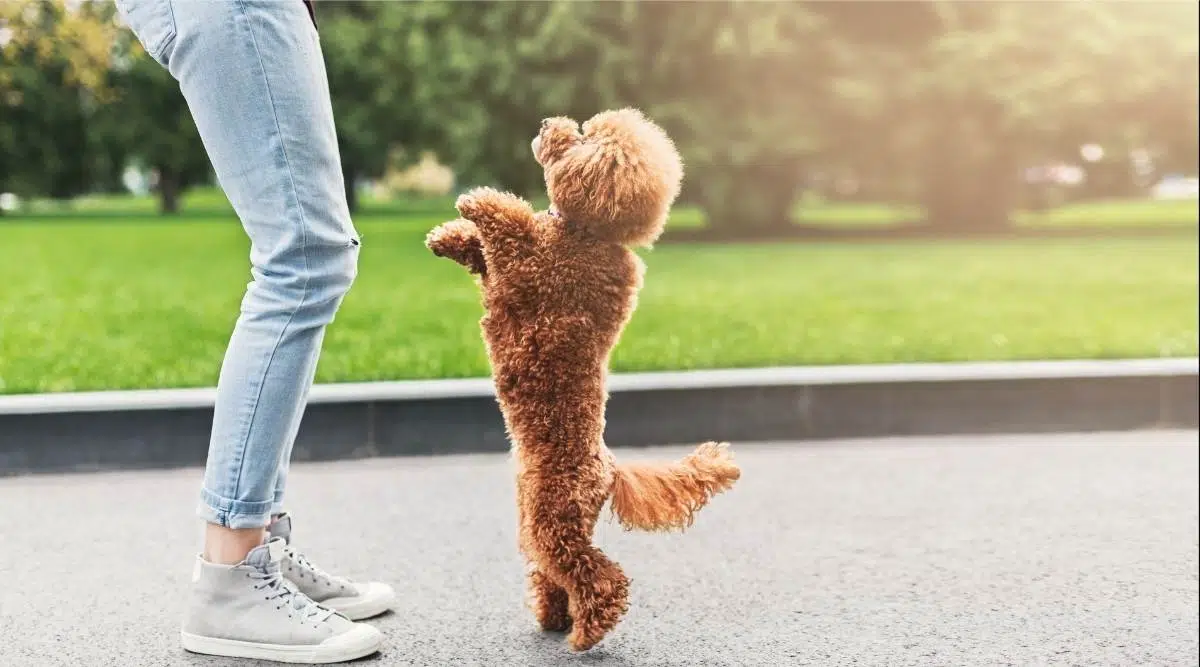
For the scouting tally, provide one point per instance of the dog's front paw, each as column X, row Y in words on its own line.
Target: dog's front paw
column 450, row 238
column 474, row 203
column 486, row 205
column 458, row 240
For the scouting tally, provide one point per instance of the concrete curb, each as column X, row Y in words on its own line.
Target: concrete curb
column 168, row 428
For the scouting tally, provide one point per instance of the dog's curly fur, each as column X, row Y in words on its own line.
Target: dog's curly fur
column 558, row 288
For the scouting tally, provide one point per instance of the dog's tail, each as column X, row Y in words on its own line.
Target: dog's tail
column 666, row 496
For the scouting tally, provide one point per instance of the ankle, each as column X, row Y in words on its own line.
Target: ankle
column 229, row 546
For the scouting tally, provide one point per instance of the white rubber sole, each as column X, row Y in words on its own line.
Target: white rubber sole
column 362, row 641
column 377, row 600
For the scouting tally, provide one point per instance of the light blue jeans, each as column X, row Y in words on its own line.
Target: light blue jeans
column 254, row 80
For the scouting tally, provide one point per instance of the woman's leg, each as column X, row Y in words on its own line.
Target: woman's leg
column 253, row 77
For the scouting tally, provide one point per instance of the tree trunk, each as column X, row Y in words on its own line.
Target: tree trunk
column 996, row 189
column 750, row 200
column 965, row 193
column 349, row 178
column 168, row 192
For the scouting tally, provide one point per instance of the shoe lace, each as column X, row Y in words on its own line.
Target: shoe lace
column 301, row 561
column 272, row 583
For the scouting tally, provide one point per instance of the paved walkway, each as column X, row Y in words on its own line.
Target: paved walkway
column 1044, row 550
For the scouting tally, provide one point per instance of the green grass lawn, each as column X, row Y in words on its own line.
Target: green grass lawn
column 87, row 305
column 1119, row 213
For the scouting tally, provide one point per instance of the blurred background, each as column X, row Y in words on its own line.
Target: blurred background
column 866, row 182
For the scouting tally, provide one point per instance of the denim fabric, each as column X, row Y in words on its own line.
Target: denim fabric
column 254, row 79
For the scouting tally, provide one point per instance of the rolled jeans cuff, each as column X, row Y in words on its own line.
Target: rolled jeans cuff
column 234, row 514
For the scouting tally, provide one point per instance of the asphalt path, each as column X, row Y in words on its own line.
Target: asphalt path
column 1033, row 550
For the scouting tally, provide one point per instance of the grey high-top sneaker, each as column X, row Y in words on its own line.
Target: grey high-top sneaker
column 355, row 600
column 249, row 610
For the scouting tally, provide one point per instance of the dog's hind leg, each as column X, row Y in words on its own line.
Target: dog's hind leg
column 599, row 596
column 597, row 589
column 548, row 601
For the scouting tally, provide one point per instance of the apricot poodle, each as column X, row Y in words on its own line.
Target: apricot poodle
column 558, row 288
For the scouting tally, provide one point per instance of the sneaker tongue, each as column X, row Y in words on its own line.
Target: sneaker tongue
column 266, row 556
column 281, row 528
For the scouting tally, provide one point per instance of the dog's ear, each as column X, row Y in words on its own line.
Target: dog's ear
column 557, row 136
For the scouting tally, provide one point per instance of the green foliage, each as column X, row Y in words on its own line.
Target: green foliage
column 742, row 87
column 935, row 104
column 73, row 37
column 165, row 138
column 939, row 103
column 42, row 126
column 728, row 80
column 371, row 86
column 995, row 86
column 52, row 64
column 488, row 73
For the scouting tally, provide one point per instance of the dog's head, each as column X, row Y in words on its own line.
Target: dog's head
column 614, row 179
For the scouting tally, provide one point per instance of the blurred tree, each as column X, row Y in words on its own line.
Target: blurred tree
column 42, row 129
column 485, row 74
column 53, row 59
column 995, row 86
column 75, row 36
column 943, row 103
column 371, row 86
column 1168, row 110
column 745, row 89
column 738, row 85
column 163, row 138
